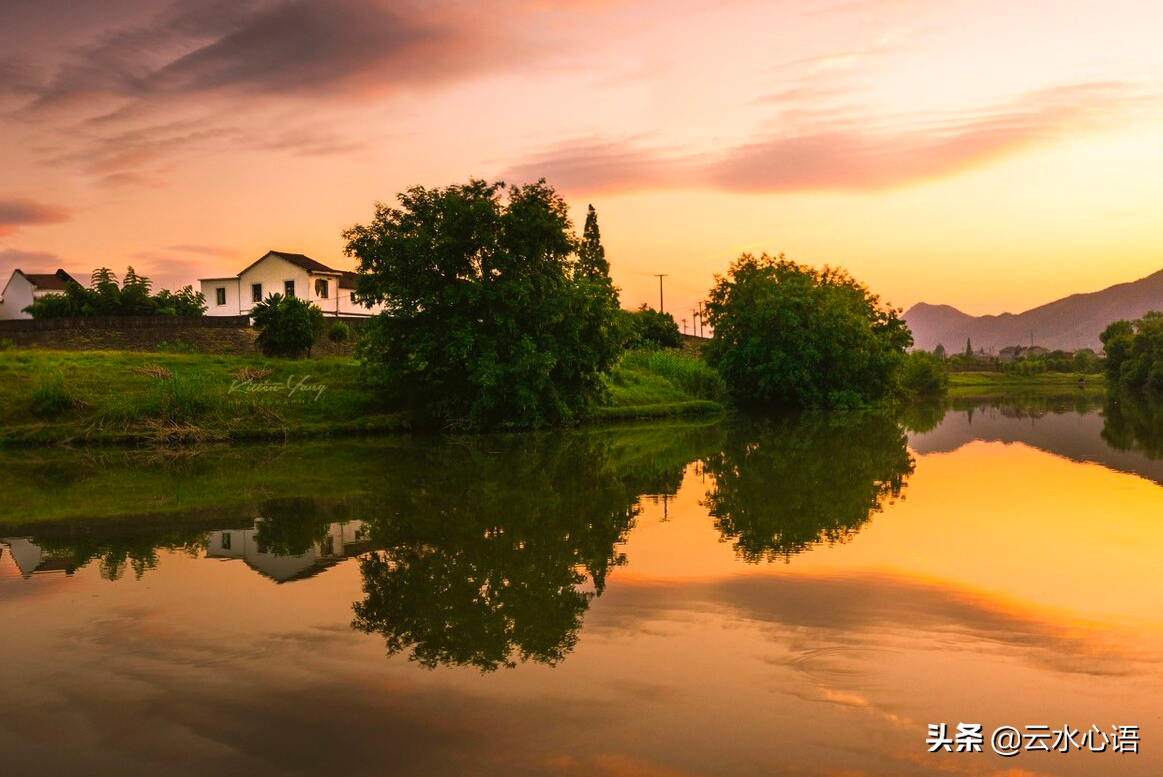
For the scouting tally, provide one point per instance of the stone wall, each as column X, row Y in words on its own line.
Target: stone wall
column 207, row 334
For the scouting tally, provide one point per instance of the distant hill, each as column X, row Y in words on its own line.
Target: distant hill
column 1069, row 323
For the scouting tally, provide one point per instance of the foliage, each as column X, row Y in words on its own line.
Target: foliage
column 647, row 327
column 1134, row 352
column 287, row 326
column 491, row 318
column 105, row 297
column 339, row 332
column 784, row 485
column 184, row 302
column 790, row 335
column 939, row 352
column 591, row 255
column 923, row 374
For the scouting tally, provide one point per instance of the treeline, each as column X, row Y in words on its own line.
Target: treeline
column 104, row 296
column 1033, row 361
column 1134, row 352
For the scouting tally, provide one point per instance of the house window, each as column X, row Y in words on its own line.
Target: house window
column 256, row 292
column 220, row 295
column 226, row 540
column 321, row 288
column 288, row 288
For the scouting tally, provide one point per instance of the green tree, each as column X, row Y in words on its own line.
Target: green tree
column 184, row 302
column 924, row 374
column 648, row 327
column 490, row 316
column 968, row 348
column 105, row 297
column 939, row 352
column 790, row 335
column 591, row 255
column 288, row 326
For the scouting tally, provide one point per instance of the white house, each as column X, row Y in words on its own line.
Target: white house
column 25, row 287
column 280, row 272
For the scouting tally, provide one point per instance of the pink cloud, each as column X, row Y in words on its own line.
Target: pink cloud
column 16, row 213
column 834, row 151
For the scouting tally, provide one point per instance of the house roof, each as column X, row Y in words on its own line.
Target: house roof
column 299, row 260
column 347, row 279
column 48, row 281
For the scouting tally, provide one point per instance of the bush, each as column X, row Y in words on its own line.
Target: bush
column 923, row 374
column 288, row 326
column 786, row 335
column 339, row 332
column 648, row 327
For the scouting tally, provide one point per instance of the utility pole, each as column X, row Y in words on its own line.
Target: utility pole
column 660, row 277
column 694, row 324
column 684, row 326
column 702, row 319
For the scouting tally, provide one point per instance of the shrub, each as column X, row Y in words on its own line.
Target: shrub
column 339, row 332
column 288, row 326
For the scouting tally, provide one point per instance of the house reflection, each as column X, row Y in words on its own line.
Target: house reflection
column 31, row 559
column 340, row 541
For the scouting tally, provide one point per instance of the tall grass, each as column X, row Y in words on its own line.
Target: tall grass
column 50, row 398
column 688, row 373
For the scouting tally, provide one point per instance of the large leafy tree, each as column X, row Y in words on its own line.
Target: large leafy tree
column 490, row 316
column 787, row 335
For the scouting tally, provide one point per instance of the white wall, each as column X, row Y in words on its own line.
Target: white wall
column 17, row 296
column 273, row 272
column 209, row 290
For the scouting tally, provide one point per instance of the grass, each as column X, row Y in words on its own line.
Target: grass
column 665, row 380
column 122, row 397
column 966, row 384
column 128, row 397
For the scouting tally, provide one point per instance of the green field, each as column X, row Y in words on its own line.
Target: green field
column 121, row 397
column 965, row 384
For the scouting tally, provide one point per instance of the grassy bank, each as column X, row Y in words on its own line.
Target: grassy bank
column 114, row 397
column 987, row 384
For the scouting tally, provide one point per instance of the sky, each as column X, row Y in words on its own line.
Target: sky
column 990, row 156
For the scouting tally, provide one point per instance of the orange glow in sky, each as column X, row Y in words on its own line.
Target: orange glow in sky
column 990, row 156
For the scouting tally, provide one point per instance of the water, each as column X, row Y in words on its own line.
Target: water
column 790, row 596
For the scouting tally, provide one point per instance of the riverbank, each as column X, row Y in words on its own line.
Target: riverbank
column 989, row 384
column 135, row 398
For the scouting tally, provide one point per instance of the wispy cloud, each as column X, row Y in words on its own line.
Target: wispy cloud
column 18, row 212
column 834, row 152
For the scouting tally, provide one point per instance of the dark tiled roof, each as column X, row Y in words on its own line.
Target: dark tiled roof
column 48, row 281
column 306, row 262
column 347, row 279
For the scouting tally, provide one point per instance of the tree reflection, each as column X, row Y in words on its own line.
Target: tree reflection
column 785, row 484
column 493, row 549
column 1133, row 421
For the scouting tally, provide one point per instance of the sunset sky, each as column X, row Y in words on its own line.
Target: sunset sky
column 993, row 156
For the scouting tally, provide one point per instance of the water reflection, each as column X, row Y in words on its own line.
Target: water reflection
column 783, row 485
column 490, row 552
column 1134, row 422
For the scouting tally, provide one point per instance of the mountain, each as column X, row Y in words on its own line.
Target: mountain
column 1069, row 323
